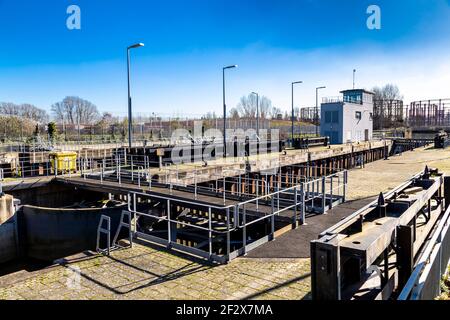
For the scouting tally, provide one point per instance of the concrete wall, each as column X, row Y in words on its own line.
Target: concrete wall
column 328, row 128
column 8, row 243
column 8, row 229
column 49, row 234
column 348, row 128
column 354, row 129
column 54, row 195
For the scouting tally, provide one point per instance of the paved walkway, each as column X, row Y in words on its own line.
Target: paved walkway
column 384, row 175
column 146, row 272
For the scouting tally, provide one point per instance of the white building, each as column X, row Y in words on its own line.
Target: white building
column 348, row 118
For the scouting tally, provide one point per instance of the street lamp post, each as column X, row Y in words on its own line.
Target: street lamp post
column 292, row 117
column 130, row 115
column 317, row 109
column 225, row 110
column 354, row 73
column 257, row 113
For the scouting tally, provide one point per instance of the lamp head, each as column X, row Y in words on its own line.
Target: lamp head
column 136, row 45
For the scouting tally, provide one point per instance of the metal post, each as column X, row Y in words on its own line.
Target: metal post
column 224, row 196
column 302, row 204
column 209, row 232
column 354, row 72
column 102, row 171
column 257, row 195
column 130, row 118
column 195, row 184
column 331, row 192
column 224, row 116
column 132, row 170
column 225, row 110
column 228, row 234
column 317, row 110
column 294, row 218
column 257, row 116
column 324, row 194
column 244, row 229
column 292, row 115
column 345, row 185
column 169, row 235
column 1, row 181
column 139, row 176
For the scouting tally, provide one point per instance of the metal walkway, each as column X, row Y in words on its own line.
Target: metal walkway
column 218, row 225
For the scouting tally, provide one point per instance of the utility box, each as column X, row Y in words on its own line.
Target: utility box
column 63, row 161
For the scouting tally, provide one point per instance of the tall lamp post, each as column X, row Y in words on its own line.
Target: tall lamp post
column 130, row 115
column 257, row 113
column 354, row 74
column 225, row 109
column 292, row 116
column 317, row 109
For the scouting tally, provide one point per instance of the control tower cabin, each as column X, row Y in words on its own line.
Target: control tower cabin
column 348, row 118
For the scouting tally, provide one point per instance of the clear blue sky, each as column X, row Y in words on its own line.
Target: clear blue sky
column 187, row 43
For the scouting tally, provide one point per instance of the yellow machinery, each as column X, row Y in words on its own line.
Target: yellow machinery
column 63, row 161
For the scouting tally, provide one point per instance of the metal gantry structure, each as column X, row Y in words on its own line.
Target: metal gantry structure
column 232, row 216
column 217, row 216
column 435, row 112
column 374, row 252
column 388, row 114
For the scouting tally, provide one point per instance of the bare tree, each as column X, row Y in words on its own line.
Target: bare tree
column 9, row 108
column 75, row 110
column 274, row 112
column 265, row 105
column 31, row 112
column 389, row 92
column 210, row 116
column 26, row 111
column 234, row 113
column 246, row 108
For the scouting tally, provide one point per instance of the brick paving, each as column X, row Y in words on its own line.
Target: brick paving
column 384, row 175
column 146, row 272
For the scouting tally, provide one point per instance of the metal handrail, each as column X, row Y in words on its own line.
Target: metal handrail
column 134, row 211
column 413, row 283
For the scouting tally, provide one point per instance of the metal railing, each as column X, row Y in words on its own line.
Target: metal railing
column 424, row 282
column 289, row 204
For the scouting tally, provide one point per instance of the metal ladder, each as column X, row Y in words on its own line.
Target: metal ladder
column 101, row 229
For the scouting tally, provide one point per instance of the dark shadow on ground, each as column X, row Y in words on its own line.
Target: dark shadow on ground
column 296, row 243
column 278, row 286
column 148, row 277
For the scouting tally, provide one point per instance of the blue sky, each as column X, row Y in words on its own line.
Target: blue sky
column 187, row 43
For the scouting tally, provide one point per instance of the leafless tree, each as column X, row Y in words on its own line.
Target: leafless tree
column 389, row 92
column 75, row 110
column 210, row 116
column 25, row 111
column 234, row 113
column 274, row 112
column 246, row 108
